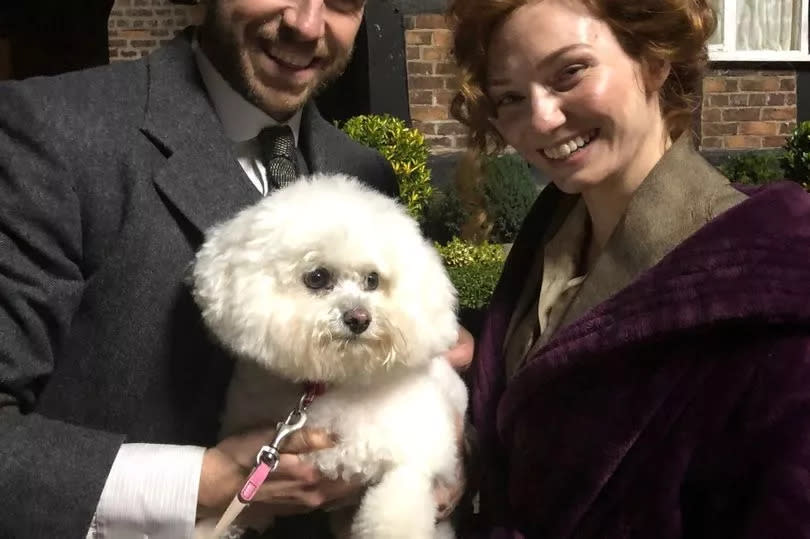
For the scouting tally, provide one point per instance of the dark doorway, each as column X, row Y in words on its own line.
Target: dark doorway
column 46, row 37
column 375, row 82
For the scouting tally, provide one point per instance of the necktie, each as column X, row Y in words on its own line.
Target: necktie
column 279, row 155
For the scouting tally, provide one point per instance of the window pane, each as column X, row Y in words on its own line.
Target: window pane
column 768, row 25
column 717, row 36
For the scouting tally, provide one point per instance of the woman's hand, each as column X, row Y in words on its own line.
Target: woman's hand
column 461, row 355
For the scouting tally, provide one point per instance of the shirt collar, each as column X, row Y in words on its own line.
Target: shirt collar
column 240, row 119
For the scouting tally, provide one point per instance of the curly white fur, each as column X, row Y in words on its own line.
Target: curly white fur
column 392, row 400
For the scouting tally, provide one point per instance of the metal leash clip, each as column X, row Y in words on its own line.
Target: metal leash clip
column 269, row 454
column 267, row 459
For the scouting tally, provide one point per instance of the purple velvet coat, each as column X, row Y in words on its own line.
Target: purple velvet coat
column 679, row 407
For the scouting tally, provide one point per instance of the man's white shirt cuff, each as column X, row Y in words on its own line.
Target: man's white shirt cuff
column 151, row 492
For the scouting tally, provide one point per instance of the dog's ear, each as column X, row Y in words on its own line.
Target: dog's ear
column 427, row 297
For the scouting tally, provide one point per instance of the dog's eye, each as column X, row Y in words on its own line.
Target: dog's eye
column 317, row 278
column 372, row 281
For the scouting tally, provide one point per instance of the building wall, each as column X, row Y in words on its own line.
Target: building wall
column 432, row 81
column 750, row 108
column 137, row 27
column 747, row 108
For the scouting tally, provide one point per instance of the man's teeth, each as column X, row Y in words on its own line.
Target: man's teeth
column 567, row 148
column 292, row 58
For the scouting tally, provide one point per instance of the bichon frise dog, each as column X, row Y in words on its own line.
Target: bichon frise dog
column 329, row 281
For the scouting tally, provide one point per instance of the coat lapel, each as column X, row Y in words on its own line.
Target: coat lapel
column 201, row 176
column 681, row 194
column 321, row 143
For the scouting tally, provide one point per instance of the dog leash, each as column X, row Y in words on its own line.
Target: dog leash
column 267, row 458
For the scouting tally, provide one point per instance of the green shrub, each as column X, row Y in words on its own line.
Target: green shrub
column 796, row 161
column 443, row 216
column 460, row 253
column 475, row 283
column 510, row 192
column 474, row 270
column 405, row 148
column 755, row 168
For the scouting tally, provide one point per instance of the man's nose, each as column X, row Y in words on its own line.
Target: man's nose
column 305, row 17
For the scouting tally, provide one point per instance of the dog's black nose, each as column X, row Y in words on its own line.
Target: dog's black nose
column 357, row 319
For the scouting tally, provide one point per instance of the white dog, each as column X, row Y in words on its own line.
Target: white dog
column 329, row 281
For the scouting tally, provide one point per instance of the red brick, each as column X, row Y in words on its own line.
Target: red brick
column 773, row 142
column 711, row 142
column 443, row 38
column 435, row 54
column 738, row 100
column 719, row 129
column 737, row 115
column 412, row 53
column 444, row 97
column 777, row 100
column 421, row 97
column 758, row 128
column 711, row 115
column 134, row 34
column 429, row 21
column 760, row 84
column 427, row 128
column 717, row 100
column 425, row 83
column 758, row 100
column 418, row 37
column 452, row 83
column 420, row 68
column 446, row 68
column 428, row 113
column 732, row 85
column 450, row 128
column 743, row 141
column 713, row 85
column 788, row 84
column 786, row 128
column 778, row 113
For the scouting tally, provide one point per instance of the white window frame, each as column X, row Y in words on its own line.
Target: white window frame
column 726, row 51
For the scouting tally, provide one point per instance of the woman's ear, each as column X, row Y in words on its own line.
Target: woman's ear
column 655, row 74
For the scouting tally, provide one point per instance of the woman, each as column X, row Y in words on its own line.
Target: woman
column 644, row 368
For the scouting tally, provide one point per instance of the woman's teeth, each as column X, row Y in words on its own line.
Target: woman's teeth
column 567, row 148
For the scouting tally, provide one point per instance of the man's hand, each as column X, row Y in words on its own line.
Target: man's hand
column 294, row 487
column 461, row 355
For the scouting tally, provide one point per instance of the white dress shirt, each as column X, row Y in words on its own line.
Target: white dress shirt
column 151, row 491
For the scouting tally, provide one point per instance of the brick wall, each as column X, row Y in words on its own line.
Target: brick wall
column 741, row 109
column 137, row 27
column 432, row 81
column 747, row 109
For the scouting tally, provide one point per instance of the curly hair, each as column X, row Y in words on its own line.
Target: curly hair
column 652, row 32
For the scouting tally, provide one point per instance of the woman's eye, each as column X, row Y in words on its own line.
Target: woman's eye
column 317, row 279
column 569, row 76
column 507, row 99
column 372, row 281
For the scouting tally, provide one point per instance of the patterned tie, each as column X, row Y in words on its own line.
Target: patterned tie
column 279, row 155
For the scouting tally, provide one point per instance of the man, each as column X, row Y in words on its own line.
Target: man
column 109, row 386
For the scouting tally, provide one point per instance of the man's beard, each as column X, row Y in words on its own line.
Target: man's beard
column 234, row 64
